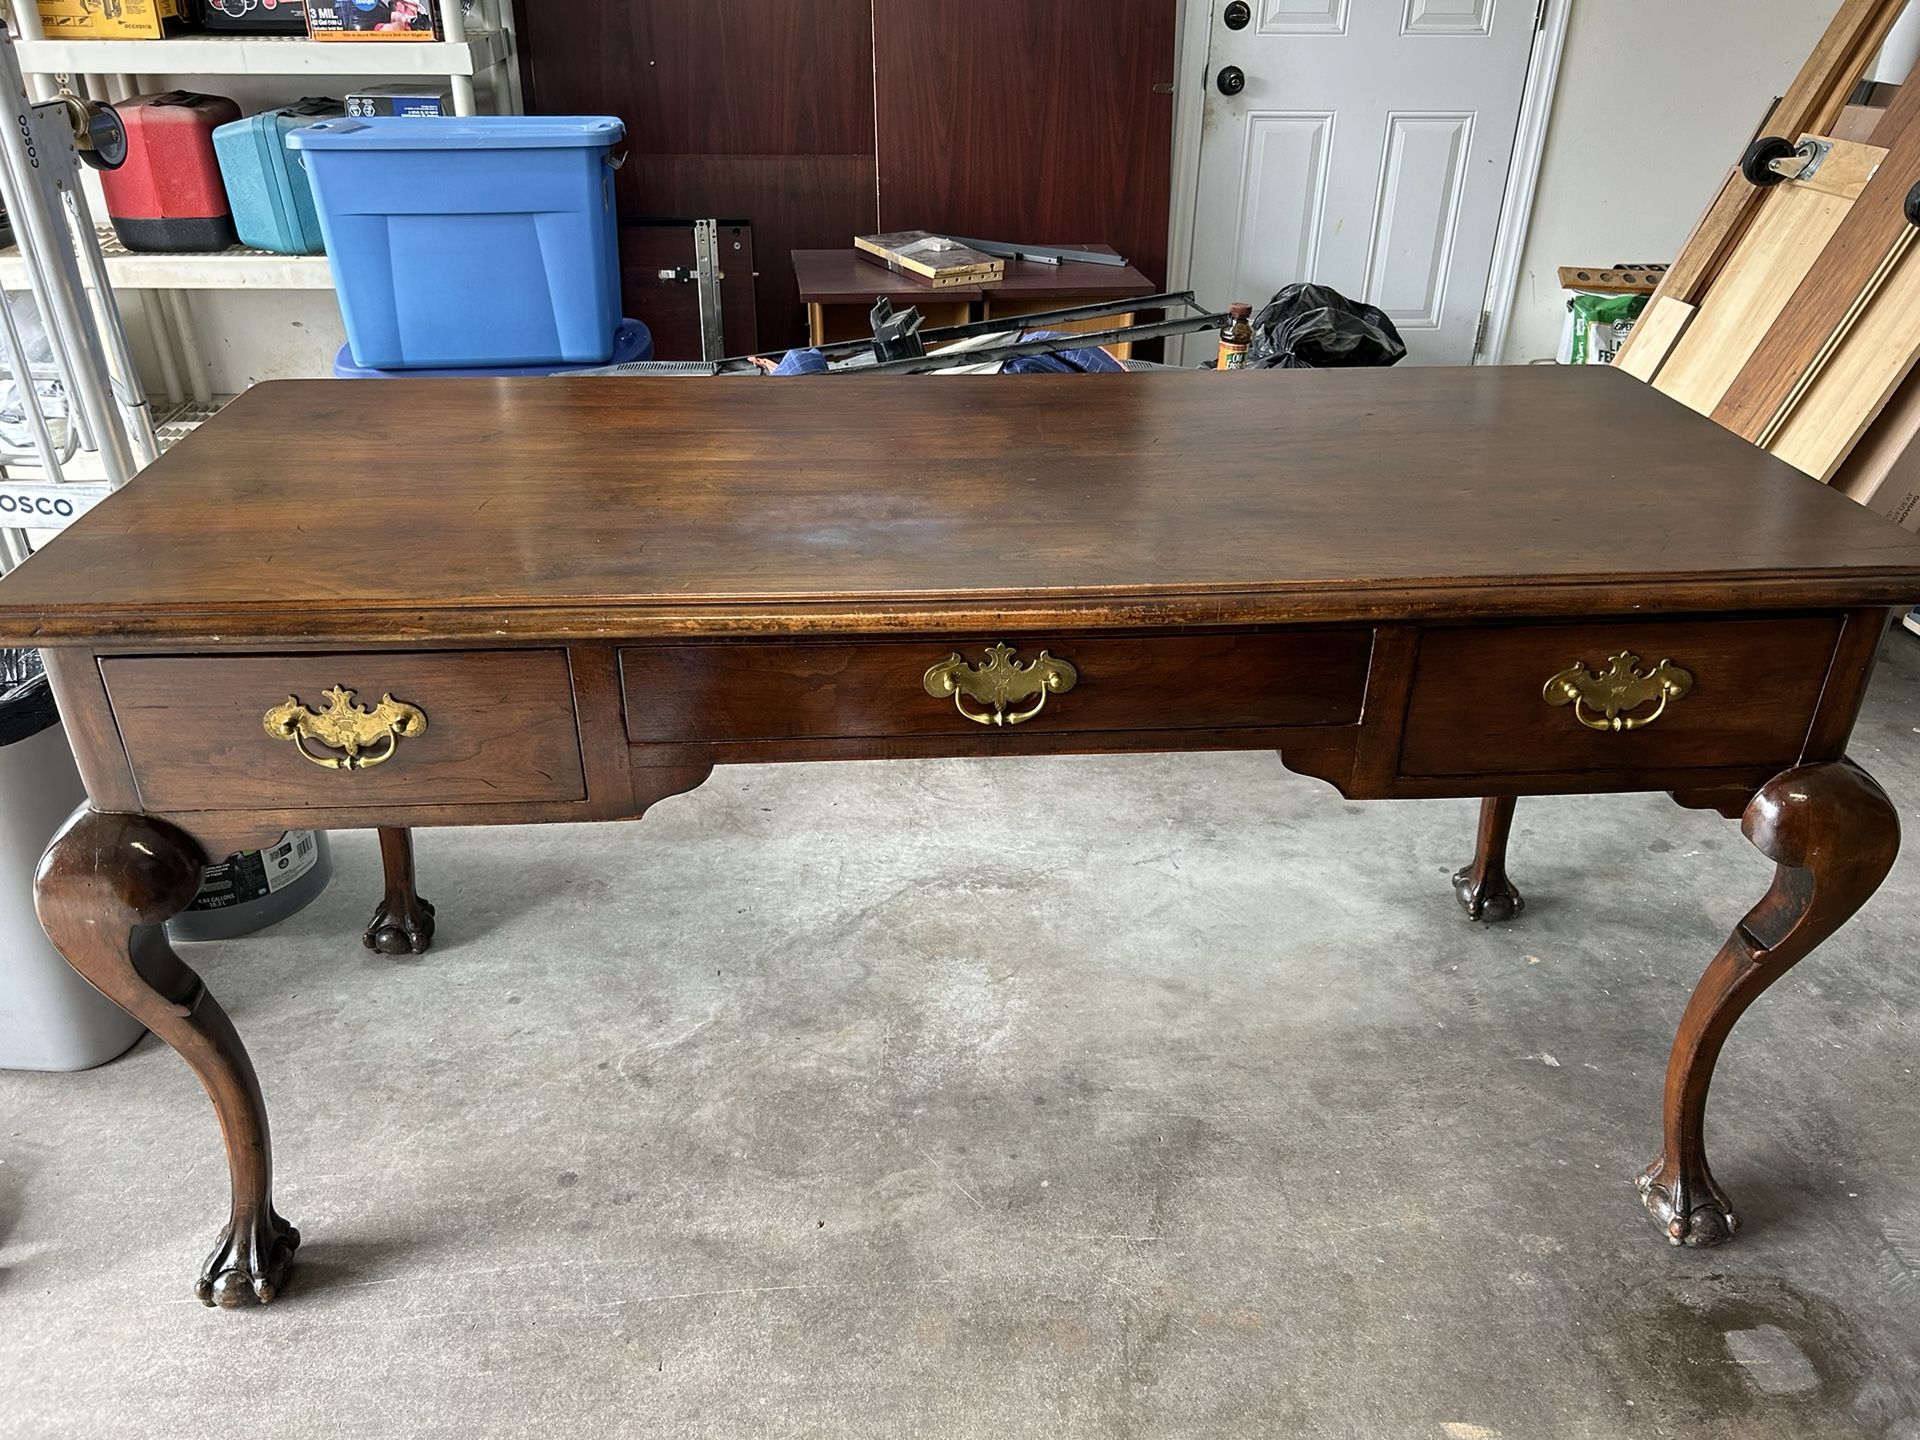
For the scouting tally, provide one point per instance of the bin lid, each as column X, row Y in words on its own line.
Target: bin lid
column 471, row 132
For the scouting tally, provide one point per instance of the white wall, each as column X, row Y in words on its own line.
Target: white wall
column 1655, row 103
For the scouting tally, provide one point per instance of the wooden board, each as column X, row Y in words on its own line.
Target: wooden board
column 1770, row 263
column 1662, row 320
column 1033, row 120
column 1859, row 379
column 1612, row 279
column 1812, row 104
column 1836, row 291
column 1882, row 471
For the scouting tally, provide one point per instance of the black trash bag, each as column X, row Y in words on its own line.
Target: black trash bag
column 26, row 698
column 1315, row 327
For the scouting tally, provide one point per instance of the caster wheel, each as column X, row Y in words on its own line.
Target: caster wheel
column 1912, row 207
column 1757, row 162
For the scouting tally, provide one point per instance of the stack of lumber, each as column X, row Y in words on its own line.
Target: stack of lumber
column 1792, row 315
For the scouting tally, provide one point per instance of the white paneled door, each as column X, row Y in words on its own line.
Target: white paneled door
column 1362, row 144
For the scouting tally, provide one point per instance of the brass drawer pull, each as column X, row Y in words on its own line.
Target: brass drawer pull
column 1001, row 682
column 1597, row 700
column 346, row 726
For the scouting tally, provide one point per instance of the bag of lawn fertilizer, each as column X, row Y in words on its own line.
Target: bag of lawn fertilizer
column 1596, row 325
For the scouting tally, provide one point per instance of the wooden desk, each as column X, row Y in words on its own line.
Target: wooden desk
column 839, row 289
column 565, row 599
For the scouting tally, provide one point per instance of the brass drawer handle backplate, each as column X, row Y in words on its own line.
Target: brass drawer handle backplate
column 366, row 737
column 998, row 684
column 1598, row 700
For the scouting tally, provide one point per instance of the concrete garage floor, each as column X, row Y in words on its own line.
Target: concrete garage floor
column 1150, row 1096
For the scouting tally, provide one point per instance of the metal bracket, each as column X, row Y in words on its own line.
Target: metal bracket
column 1805, row 160
column 706, row 262
column 896, row 336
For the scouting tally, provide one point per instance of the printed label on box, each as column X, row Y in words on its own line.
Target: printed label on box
column 255, row 874
column 123, row 20
column 373, row 19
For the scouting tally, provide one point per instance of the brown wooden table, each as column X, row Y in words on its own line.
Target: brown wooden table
column 539, row 600
column 839, row 288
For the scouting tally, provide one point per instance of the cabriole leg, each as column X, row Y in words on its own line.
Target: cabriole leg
column 1832, row 835
column 403, row 925
column 104, row 891
column 1483, row 889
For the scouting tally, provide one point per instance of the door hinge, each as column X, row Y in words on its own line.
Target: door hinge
column 1540, row 16
column 1480, row 332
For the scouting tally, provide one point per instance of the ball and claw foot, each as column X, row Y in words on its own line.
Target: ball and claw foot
column 250, row 1265
column 406, row 931
column 1692, row 1210
column 1491, row 900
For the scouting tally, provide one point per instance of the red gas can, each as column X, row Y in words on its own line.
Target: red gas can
column 168, row 195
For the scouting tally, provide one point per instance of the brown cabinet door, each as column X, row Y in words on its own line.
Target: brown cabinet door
column 1030, row 120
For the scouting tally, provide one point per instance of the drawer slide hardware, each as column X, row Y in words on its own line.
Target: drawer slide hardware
column 1000, row 683
column 1598, row 700
column 367, row 737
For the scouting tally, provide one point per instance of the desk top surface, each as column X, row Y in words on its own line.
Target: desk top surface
column 499, row 511
column 841, row 277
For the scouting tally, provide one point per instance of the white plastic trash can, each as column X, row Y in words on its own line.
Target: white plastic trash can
column 50, row 1019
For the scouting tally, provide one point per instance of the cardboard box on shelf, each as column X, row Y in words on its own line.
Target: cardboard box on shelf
column 96, row 20
column 416, row 98
column 374, row 19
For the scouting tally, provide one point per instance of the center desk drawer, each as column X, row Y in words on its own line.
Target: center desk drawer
column 269, row 733
column 1747, row 693
column 803, row 690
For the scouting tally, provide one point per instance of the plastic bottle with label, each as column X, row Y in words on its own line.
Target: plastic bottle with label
column 1235, row 336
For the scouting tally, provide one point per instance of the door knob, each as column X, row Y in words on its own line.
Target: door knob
column 1231, row 80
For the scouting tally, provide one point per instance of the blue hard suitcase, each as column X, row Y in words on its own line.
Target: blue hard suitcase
column 273, row 206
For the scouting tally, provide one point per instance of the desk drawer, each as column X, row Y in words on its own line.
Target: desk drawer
column 467, row 727
column 1477, row 706
column 805, row 690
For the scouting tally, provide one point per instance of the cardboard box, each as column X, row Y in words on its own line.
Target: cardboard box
column 95, row 20
column 418, row 98
column 374, row 19
column 1882, row 471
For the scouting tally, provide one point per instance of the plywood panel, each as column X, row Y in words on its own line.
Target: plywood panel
column 1011, row 119
column 1825, row 303
column 1653, row 337
column 1811, row 103
column 1767, row 267
column 692, row 77
column 1858, row 380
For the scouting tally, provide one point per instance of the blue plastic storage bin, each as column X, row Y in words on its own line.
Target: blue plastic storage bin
column 631, row 341
column 462, row 243
column 272, row 202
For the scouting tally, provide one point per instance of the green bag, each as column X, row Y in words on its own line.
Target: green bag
column 1600, row 323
